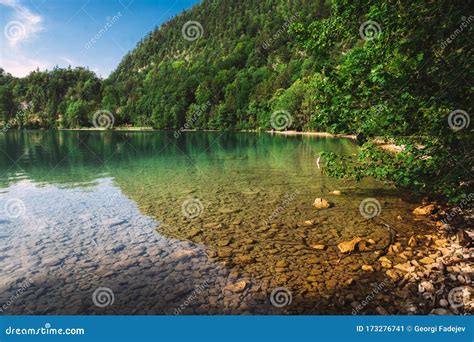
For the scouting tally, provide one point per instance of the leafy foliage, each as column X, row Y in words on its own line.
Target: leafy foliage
column 400, row 86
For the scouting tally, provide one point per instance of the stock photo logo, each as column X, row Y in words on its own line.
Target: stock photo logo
column 192, row 208
column 281, row 297
column 370, row 30
column 192, row 30
column 14, row 31
column 458, row 120
column 370, row 208
column 103, row 297
column 281, row 120
column 103, row 119
column 14, row 208
column 461, row 296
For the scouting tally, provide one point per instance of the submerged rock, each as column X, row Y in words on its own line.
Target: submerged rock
column 367, row 268
column 392, row 275
column 404, row 267
column 183, row 254
column 443, row 302
column 425, row 286
column 440, row 312
column 349, row 246
column 321, row 203
column 223, row 243
column 424, row 210
column 427, row 260
column 237, row 287
column 385, row 262
column 228, row 210
column 112, row 222
column 282, row 263
column 194, row 232
column 412, row 242
column 319, row 247
column 244, row 259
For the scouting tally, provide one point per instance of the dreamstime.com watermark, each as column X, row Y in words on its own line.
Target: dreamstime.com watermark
column 109, row 22
column 192, row 297
column 464, row 24
column 46, row 330
column 284, row 29
column 15, row 296
column 191, row 122
column 20, row 114
column 369, row 298
column 281, row 208
column 458, row 209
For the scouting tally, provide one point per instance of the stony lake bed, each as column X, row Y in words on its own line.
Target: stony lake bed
column 212, row 223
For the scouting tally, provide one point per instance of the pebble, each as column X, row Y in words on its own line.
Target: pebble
column 425, row 286
column 228, row 210
column 348, row 246
column 424, row 210
column 392, row 275
column 385, row 262
column 318, row 247
column 427, row 260
column 237, row 287
column 441, row 312
column 321, row 203
column 244, row 259
column 183, row 254
column 113, row 222
column 223, row 243
column 367, row 268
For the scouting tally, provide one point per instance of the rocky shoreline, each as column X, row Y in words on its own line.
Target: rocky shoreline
column 429, row 274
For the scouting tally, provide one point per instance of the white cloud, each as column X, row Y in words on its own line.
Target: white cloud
column 24, row 24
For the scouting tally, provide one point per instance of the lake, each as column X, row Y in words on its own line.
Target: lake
column 190, row 223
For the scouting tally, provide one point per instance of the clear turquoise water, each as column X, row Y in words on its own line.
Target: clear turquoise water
column 170, row 225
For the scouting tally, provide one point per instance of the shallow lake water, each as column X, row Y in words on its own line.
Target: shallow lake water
column 190, row 223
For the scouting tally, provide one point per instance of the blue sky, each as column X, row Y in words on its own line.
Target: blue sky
column 92, row 33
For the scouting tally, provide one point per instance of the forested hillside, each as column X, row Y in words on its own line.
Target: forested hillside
column 396, row 69
column 235, row 65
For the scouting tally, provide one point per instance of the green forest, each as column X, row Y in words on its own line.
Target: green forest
column 393, row 70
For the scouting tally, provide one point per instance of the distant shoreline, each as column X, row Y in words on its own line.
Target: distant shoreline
column 149, row 129
column 315, row 134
